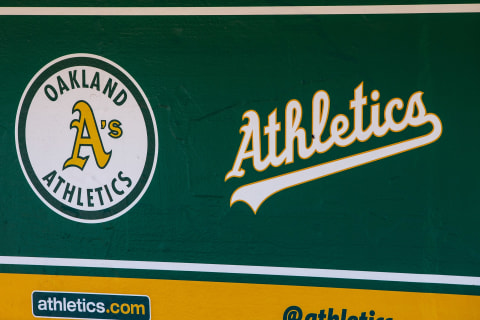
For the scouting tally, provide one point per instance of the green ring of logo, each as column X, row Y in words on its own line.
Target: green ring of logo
column 94, row 216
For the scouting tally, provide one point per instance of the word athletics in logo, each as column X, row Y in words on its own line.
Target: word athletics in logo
column 413, row 114
column 86, row 138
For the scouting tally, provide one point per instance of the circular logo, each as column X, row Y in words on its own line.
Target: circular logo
column 86, row 138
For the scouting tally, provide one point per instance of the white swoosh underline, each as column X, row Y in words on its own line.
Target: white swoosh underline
column 256, row 193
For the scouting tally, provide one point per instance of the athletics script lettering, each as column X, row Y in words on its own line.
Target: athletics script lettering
column 254, row 194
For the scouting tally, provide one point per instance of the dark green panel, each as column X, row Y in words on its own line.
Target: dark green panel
column 416, row 212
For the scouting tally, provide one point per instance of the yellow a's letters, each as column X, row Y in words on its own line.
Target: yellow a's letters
column 91, row 139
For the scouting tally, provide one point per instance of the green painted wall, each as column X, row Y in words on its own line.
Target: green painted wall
column 417, row 212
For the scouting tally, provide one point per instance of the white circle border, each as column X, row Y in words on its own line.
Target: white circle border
column 154, row 124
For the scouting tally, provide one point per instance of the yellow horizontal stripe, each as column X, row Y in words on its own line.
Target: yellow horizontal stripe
column 173, row 299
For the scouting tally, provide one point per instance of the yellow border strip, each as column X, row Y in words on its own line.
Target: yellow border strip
column 239, row 11
column 202, row 300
